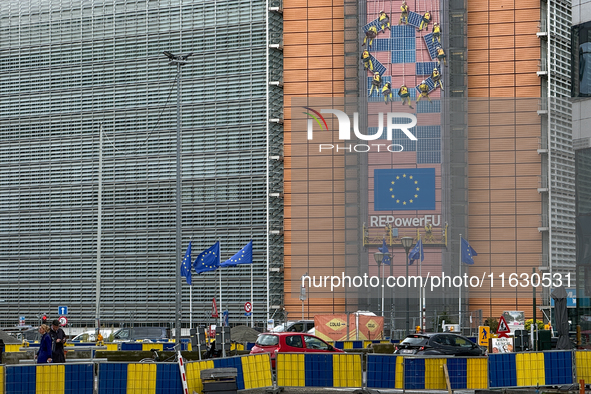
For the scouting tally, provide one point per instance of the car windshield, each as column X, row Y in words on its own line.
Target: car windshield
column 414, row 340
column 267, row 340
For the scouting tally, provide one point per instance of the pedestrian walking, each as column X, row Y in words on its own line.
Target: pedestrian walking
column 44, row 353
column 58, row 339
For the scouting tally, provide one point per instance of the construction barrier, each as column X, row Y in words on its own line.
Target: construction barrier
column 139, row 378
column 425, row 373
column 583, row 362
column 49, row 379
column 531, row 369
column 253, row 371
column 319, row 370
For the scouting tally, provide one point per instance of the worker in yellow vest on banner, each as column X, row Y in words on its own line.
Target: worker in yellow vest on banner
column 436, row 77
column 425, row 21
column 387, row 92
column 440, row 56
column 437, row 33
column 424, row 89
column 376, row 83
column 367, row 63
column 405, row 96
column 371, row 34
column 384, row 21
column 404, row 13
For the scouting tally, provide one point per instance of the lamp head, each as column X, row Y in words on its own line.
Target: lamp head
column 407, row 242
column 378, row 256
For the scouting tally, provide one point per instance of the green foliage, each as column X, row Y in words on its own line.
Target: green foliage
column 529, row 322
column 493, row 323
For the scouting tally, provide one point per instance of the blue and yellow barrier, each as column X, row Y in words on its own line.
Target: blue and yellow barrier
column 531, row 369
column 583, row 360
column 49, row 379
column 420, row 373
column 253, row 371
column 319, row 370
column 139, row 378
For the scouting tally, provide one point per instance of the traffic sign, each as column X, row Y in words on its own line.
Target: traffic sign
column 483, row 335
column 62, row 310
column 503, row 328
column 247, row 307
column 63, row 320
column 247, row 314
column 21, row 321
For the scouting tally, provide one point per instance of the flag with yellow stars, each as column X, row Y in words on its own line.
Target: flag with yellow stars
column 208, row 260
column 186, row 265
column 404, row 189
column 244, row 256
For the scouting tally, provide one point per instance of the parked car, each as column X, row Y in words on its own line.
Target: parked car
column 145, row 334
column 90, row 336
column 289, row 342
column 295, row 326
column 446, row 344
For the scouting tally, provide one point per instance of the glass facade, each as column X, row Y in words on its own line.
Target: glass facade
column 68, row 66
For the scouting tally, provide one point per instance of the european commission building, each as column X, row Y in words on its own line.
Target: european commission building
column 71, row 68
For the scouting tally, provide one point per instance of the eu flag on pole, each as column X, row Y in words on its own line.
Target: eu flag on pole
column 404, row 189
column 244, row 256
column 467, row 252
column 416, row 253
column 384, row 250
column 209, row 259
column 186, row 265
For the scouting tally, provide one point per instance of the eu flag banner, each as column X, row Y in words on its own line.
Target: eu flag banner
column 244, row 256
column 467, row 252
column 208, row 260
column 386, row 252
column 404, row 189
column 416, row 253
column 186, row 265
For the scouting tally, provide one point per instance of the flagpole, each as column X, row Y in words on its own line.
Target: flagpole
column 221, row 309
column 421, row 287
column 251, row 297
column 460, row 289
column 190, row 307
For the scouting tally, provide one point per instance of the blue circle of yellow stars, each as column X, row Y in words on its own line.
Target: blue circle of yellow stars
column 213, row 260
column 417, row 189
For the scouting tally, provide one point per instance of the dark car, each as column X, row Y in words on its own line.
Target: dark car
column 288, row 342
column 441, row 344
column 145, row 334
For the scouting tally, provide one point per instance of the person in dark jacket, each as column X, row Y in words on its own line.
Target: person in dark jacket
column 58, row 339
column 44, row 354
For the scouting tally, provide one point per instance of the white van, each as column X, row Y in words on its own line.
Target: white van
column 90, row 336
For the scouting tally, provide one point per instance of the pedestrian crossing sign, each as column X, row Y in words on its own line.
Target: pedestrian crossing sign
column 483, row 335
column 503, row 328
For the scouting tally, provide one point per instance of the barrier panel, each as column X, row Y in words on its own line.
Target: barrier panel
column 583, row 361
column 49, row 379
column 139, row 378
column 319, row 370
column 343, row 345
column 531, row 369
column 425, row 373
column 13, row 347
column 253, row 371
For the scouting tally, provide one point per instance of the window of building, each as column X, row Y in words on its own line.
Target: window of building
column 581, row 60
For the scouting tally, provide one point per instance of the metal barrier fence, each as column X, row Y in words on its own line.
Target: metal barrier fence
column 528, row 369
column 319, row 370
column 425, row 373
column 547, row 368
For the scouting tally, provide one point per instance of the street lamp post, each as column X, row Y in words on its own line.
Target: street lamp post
column 407, row 244
column 178, row 60
column 379, row 256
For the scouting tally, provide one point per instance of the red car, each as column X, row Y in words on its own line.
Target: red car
column 290, row 342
